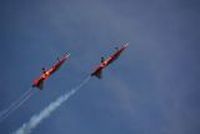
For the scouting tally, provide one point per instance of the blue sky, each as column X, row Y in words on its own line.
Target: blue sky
column 152, row 89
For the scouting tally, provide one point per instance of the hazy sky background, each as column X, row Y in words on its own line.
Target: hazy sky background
column 152, row 89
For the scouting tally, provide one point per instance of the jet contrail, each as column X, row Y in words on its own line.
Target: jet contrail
column 37, row 119
column 16, row 104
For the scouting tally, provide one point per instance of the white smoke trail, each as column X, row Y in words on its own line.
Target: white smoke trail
column 37, row 119
column 16, row 104
column 15, row 107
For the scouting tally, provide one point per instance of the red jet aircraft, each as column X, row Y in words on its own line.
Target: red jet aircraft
column 47, row 73
column 104, row 63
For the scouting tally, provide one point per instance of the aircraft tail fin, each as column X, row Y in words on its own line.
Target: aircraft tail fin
column 98, row 74
column 39, row 85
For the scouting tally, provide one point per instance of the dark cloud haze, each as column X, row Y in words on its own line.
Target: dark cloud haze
column 152, row 89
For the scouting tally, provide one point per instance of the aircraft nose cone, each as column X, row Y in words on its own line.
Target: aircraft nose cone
column 126, row 45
